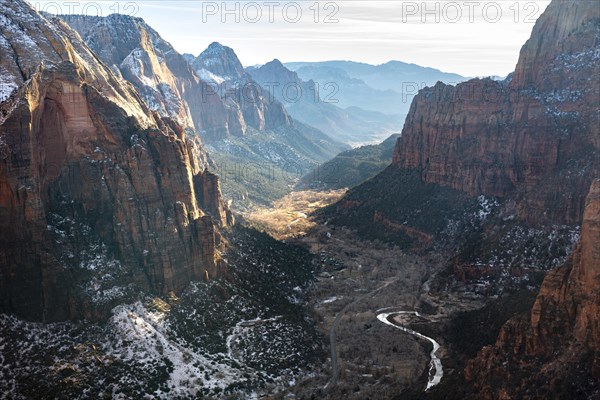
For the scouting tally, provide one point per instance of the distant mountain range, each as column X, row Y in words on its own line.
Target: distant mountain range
column 388, row 88
column 253, row 142
column 307, row 103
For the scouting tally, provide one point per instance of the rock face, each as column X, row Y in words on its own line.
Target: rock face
column 161, row 75
column 211, row 93
column 220, row 61
column 537, row 131
column 91, row 180
column 220, row 65
column 561, row 340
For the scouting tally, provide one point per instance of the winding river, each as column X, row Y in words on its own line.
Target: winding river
column 435, row 365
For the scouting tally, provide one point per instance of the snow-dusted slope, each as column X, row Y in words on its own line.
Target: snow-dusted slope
column 160, row 74
column 219, row 61
column 29, row 41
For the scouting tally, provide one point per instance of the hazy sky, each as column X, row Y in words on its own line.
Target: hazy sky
column 472, row 38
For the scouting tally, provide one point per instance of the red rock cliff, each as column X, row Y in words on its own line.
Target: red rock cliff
column 535, row 136
column 561, row 340
column 170, row 86
column 91, row 178
column 162, row 77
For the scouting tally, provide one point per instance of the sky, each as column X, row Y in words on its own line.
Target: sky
column 471, row 38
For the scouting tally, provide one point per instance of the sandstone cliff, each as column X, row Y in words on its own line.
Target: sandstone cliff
column 212, row 94
column 558, row 349
column 534, row 137
column 162, row 76
column 96, row 190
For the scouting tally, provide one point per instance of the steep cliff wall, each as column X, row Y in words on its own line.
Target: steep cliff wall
column 96, row 188
column 535, row 136
column 175, row 88
column 164, row 79
column 557, row 349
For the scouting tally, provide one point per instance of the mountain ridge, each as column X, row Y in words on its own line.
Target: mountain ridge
column 233, row 115
column 389, row 89
column 303, row 100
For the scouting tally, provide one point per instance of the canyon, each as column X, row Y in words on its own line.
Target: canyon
column 525, row 136
column 485, row 173
column 459, row 259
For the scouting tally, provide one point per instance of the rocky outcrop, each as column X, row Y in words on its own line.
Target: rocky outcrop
column 208, row 192
column 161, row 75
column 525, row 137
column 219, row 60
column 569, row 300
column 220, row 65
column 561, row 340
column 95, row 187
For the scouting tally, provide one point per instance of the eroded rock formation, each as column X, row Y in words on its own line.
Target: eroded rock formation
column 96, row 189
column 162, row 76
column 260, row 109
column 558, row 347
column 534, row 136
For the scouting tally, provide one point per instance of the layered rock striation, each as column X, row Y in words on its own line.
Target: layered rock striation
column 559, row 343
column 92, row 180
column 534, row 136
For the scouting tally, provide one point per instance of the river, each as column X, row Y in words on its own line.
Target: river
column 435, row 365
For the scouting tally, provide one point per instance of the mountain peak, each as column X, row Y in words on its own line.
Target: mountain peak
column 216, row 48
column 217, row 45
column 219, row 60
column 276, row 63
column 275, row 71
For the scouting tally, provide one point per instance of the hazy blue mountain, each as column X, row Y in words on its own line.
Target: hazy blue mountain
column 391, row 75
column 304, row 103
column 388, row 88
